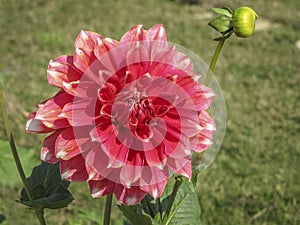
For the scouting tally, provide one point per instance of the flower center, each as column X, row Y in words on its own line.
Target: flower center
column 140, row 117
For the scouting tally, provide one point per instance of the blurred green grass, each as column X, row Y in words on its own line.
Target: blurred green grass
column 255, row 178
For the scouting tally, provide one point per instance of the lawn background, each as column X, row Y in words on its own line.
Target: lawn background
column 255, row 178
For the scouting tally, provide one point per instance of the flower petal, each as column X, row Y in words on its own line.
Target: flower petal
column 87, row 40
column 157, row 33
column 74, row 169
column 48, row 149
column 181, row 166
column 49, row 112
column 79, row 113
column 83, row 59
column 135, row 34
column 34, row 125
column 129, row 196
column 157, row 156
column 132, row 169
column 204, row 139
column 61, row 70
column 154, row 180
column 72, row 142
column 102, row 187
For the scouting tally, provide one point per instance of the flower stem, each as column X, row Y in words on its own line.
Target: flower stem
column 213, row 61
column 172, row 199
column 107, row 211
column 13, row 145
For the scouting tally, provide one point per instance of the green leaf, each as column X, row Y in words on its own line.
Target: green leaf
column 47, row 188
column 225, row 11
column 136, row 215
column 221, row 23
column 153, row 208
column 186, row 209
column 8, row 170
column 195, row 177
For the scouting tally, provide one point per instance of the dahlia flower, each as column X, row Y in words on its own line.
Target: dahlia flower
column 128, row 114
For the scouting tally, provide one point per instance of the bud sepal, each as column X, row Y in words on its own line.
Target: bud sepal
column 240, row 21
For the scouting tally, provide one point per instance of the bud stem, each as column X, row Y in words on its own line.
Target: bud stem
column 39, row 212
column 213, row 61
column 13, row 145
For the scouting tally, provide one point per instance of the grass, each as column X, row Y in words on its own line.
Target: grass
column 255, row 178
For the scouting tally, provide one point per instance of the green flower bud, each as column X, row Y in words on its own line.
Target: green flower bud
column 243, row 21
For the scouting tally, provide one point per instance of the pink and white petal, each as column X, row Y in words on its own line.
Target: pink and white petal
column 97, row 162
column 157, row 33
column 102, row 187
column 181, row 166
column 163, row 62
column 201, row 95
column 135, row 34
column 157, row 156
column 103, row 129
column 129, row 196
column 178, row 149
column 132, row 169
column 107, row 92
column 70, row 87
column 74, row 169
column 201, row 143
column 61, row 70
column 207, row 123
column 81, row 88
column 184, row 62
column 116, row 152
column 204, row 139
column 153, row 181
column 34, row 125
column 87, row 40
column 79, row 113
column 72, row 142
column 83, row 59
column 48, row 149
column 103, row 46
column 49, row 112
column 138, row 60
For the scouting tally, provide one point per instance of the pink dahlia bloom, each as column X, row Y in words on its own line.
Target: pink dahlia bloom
column 128, row 114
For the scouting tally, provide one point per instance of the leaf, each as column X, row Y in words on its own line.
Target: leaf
column 186, row 209
column 195, row 177
column 8, row 170
column 135, row 215
column 152, row 207
column 221, row 23
column 225, row 11
column 47, row 188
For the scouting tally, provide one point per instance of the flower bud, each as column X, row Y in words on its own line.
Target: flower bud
column 243, row 21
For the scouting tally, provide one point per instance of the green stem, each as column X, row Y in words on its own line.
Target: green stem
column 40, row 214
column 107, row 211
column 214, row 60
column 13, row 145
column 172, row 199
